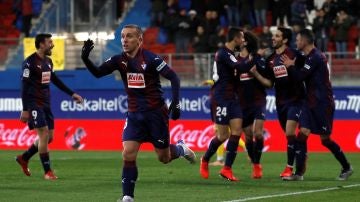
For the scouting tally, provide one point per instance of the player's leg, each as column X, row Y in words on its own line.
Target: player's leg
column 259, row 145
column 231, row 149
column 335, row 149
column 129, row 169
column 220, row 137
column 219, row 156
column 219, row 152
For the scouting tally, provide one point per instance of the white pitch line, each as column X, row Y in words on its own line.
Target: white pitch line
column 294, row 193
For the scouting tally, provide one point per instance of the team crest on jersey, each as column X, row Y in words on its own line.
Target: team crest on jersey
column 245, row 77
column 136, row 80
column 280, row 71
column 45, row 77
column 143, row 65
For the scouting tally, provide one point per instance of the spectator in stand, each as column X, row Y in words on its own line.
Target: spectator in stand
column 169, row 23
column 260, row 8
column 280, row 9
column 26, row 16
column 194, row 22
column 218, row 40
column 331, row 8
column 198, row 6
column 298, row 11
column 342, row 25
column 247, row 13
column 232, row 11
column 321, row 28
column 265, row 40
column 158, row 8
column 201, row 45
column 211, row 23
column 182, row 32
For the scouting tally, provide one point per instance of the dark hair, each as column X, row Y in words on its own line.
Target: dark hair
column 138, row 29
column 308, row 35
column 232, row 33
column 286, row 34
column 40, row 38
column 252, row 42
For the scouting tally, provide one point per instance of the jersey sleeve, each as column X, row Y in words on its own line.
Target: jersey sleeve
column 25, row 84
column 303, row 72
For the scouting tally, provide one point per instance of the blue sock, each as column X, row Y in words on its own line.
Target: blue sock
column 214, row 145
column 129, row 177
column 231, row 150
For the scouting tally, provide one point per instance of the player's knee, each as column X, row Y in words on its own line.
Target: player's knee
column 305, row 131
column 128, row 156
column 326, row 142
column 302, row 137
column 259, row 136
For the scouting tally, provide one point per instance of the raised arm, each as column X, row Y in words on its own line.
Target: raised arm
column 94, row 70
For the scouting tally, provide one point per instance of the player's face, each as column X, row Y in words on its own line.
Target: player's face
column 240, row 40
column 300, row 43
column 47, row 45
column 130, row 40
column 277, row 39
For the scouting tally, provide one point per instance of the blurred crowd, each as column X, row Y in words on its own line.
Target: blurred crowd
column 200, row 25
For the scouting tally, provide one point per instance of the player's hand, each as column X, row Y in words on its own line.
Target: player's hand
column 78, row 99
column 174, row 110
column 287, row 61
column 253, row 70
column 86, row 49
column 24, row 116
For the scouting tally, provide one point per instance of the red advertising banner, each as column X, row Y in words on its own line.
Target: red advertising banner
column 83, row 134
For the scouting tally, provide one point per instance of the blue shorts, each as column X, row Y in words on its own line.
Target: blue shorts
column 250, row 114
column 40, row 117
column 149, row 126
column 222, row 113
column 288, row 112
column 318, row 119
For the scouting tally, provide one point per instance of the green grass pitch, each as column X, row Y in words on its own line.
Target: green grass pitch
column 96, row 176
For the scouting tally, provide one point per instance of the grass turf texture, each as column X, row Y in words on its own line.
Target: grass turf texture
column 96, row 176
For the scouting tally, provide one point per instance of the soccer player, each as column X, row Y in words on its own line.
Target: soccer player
column 220, row 151
column 318, row 113
column 225, row 107
column 289, row 93
column 252, row 97
column 148, row 116
column 37, row 74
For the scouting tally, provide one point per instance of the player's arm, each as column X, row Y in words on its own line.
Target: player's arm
column 263, row 80
column 98, row 72
column 58, row 83
column 240, row 66
column 25, row 86
column 169, row 74
column 299, row 73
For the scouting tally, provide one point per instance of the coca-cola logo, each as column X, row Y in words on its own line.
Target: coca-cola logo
column 358, row 140
column 193, row 138
column 16, row 137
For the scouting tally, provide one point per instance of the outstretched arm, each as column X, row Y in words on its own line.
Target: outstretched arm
column 58, row 83
column 264, row 81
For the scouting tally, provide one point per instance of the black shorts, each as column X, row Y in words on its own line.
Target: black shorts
column 40, row 117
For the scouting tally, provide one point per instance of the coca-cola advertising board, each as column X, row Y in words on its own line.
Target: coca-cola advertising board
column 106, row 135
